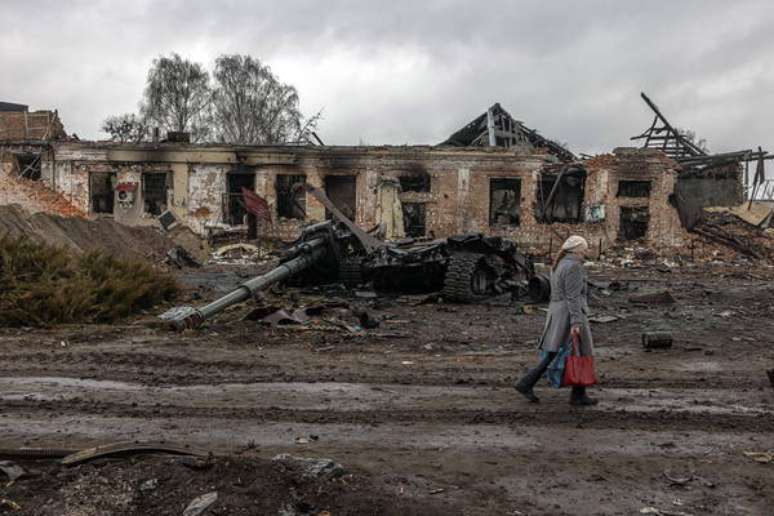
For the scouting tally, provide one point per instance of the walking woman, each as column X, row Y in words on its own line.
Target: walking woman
column 567, row 317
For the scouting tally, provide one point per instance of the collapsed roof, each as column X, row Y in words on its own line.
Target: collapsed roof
column 497, row 128
column 662, row 135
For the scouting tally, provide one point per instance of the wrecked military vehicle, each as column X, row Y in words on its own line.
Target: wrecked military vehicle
column 464, row 268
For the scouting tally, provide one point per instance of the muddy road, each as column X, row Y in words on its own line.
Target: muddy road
column 422, row 405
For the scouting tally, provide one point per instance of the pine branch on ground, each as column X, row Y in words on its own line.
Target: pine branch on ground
column 42, row 285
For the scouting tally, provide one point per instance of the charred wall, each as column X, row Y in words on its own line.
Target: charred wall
column 440, row 191
column 719, row 186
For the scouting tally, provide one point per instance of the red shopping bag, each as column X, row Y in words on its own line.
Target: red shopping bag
column 578, row 370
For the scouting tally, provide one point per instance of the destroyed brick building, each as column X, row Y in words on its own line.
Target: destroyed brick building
column 494, row 175
column 527, row 195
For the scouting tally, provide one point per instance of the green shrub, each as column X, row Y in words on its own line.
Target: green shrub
column 42, row 285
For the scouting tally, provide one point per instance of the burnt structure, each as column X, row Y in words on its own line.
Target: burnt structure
column 494, row 176
column 497, row 128
column 24, row 140
column 707, row 179
column 526, row 194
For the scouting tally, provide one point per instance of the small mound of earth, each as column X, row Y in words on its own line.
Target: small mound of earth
column 239, row 486
column 84, row 235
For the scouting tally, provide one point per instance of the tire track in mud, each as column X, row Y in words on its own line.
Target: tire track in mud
column 547, row 416
column 170, row 368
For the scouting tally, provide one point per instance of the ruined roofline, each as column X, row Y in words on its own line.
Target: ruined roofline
column 304, row 150
column 665, row 136
column 39, row 143
column 496, row 122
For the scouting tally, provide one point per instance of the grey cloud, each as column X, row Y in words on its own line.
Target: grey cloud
column 412, row 72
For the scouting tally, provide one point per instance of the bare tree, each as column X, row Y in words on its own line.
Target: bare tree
column 177, row 96
column 690, row 135
column 126, row 128
column 251, row 106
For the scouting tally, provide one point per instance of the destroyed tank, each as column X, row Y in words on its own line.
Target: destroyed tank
column 464, row 268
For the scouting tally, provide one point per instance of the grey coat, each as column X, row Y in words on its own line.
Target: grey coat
column 569, row 306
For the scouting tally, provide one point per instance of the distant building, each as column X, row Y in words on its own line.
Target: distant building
column 19, row 124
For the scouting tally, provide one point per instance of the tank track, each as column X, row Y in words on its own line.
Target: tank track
column 457, row 286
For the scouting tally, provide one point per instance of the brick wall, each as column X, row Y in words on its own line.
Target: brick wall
column 458, row 199
column 24, row 125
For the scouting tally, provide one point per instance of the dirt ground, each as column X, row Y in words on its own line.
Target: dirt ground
column 419, row 411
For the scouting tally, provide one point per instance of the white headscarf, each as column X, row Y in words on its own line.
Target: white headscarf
column 575, row 243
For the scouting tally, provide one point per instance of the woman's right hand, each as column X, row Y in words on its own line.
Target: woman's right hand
column 575, row 331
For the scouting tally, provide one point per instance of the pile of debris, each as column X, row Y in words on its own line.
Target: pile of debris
column 155, row 480
column 16, row 188
column 728, row 228
column 241, row 253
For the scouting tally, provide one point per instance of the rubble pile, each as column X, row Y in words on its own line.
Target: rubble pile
column 217, row 485
column 241, row 254
column 34, row 195
column 42, row 285
column 727, row 229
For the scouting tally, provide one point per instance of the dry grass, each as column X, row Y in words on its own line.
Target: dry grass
column 42, row 285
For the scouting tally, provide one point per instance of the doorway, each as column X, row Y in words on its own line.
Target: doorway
column 342, row 192
column 102, row 191
column 234, row 209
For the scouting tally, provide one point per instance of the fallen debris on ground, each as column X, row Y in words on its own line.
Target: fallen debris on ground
column 656, row 340
column 659, row 297
column 11, row 470
column 764, row 457
column 200, row 504
column 125, row 448
column 232, row 485
column 310, row 467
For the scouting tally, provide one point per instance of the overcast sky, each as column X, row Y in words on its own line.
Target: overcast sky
column 415, row 71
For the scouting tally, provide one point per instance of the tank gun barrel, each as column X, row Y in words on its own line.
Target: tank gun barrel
column 304, row 255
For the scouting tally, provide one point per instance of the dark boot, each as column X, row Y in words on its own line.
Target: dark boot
column 580, row 398
column 527, row 383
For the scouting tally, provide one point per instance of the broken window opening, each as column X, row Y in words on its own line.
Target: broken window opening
column 29, row 166
column 341, row 190
column 634, row 223
column 154, row 192
column 504, row 202
column 560, row 196
column 414, row 218
column 291, row 196
column 234, row 208
column 102, row 191
column 415, row 182
column 634, row 188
